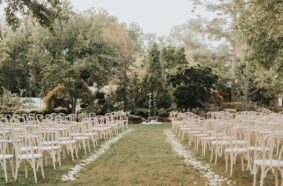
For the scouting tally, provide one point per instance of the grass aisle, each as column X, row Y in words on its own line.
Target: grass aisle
column 142, row 157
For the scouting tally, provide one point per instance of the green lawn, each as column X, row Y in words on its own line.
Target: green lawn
column 142, row 157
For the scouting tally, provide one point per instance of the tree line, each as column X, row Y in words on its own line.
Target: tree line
column 56, row 53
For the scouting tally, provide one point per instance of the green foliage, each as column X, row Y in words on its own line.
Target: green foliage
column 261, row 27
column 81, row 49
column 140, row 112
column 66, row 94
column 42, row 111
column 153, row 83
column 247, row 106
column 172, row 57
column 101, row 104
column 9, row 102
column 192, row 86
column 92, row 47
column 45, row 12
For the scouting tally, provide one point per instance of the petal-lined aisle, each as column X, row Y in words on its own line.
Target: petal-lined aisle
column 142, row 157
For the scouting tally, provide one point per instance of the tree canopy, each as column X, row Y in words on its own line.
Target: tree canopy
column 45, row 12
column 49, row 50
column 192, row 86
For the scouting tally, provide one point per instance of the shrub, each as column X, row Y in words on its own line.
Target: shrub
column 164, row 112
column 9, row 102
column 140, row 112
column 250, row 106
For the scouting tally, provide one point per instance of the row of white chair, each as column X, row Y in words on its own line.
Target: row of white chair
column 256, row 139
column 30, row 139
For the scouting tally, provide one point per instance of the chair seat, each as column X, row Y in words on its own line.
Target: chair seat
column 76, row 134
column 49, row 148
column 269, row 163
column 90, row 134
column 101, row 128
column 81, row 137
column 194, row 132
column 235, row 150
column 66, row 142
column 28, row 148
column 258, row 148
column 65, row 138
column 6, row 156
column 220, row 142
column 29, row 156
column 50, row 142
column 209, row 138
column 201, row 135
column 113, row 125
column 227, row 142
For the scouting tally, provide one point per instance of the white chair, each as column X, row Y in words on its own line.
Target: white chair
column 271, row 159
column 27, row 151
column 5, row 157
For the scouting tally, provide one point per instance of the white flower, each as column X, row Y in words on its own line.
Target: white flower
column 213, row 179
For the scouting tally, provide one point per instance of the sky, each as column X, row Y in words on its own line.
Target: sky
column 154, row 16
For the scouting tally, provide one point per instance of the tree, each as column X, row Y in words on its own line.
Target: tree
column 192, row 86
column 154, row 82
column 261, row 26
column 44, row 11
column 253, row 29
column 192, row 36
column 68, row 93
column 13, row 63
column 171, row 57
column 90, row 47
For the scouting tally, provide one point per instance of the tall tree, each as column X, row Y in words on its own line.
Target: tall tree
column 261, row 26
column 154, row 82
column 44, row 11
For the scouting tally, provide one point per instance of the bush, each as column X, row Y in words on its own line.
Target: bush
column 42, row 111
column 61, row 110
column 32, row 111
column 140, row 112
column 9, row 102
column 164, row 112
column 250, row 106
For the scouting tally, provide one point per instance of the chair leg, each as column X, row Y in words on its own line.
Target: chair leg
column 84, row 146
column 12, row 167
column 53, row 156
column 226, row 162
column 77, row 152
column 26, row 170
column 17, row 169
column 42, row 171
column 255, row 172
column 5, row 170
column 232, row 163
column 216, row 156
column 46, row 161
column 281, row 178
column 59, row 157
column 262, row 175
column 72, row 153
column 34, row 170
column 88, row 145
column 211, row 155
column 93, row 142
